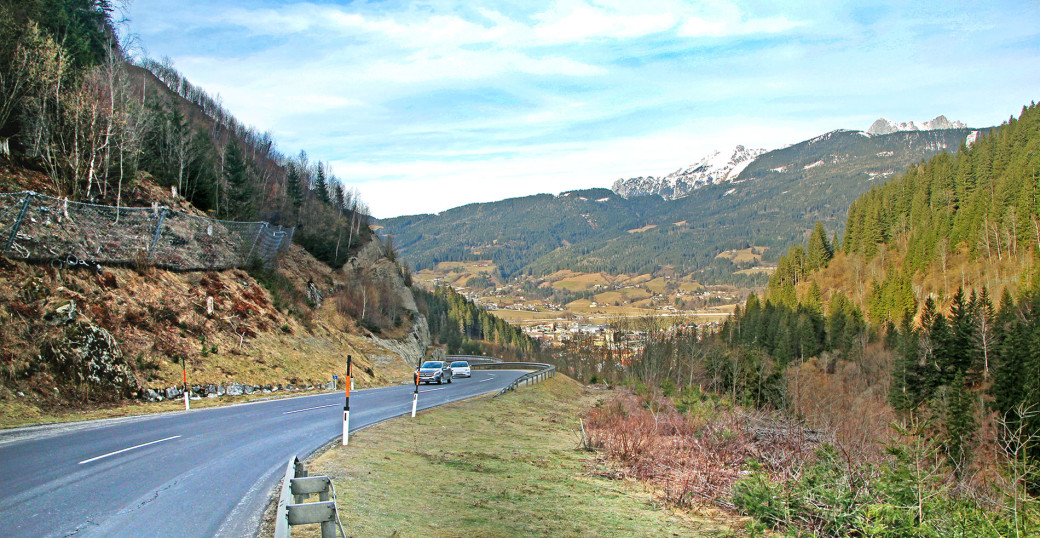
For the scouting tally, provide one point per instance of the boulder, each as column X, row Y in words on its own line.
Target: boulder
column 61, row 313
column 87, row 354
column 237, row 389
column 152, row 396
column 248, row 389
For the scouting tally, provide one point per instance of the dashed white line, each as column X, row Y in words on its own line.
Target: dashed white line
column 307, row 409
column 126, row 449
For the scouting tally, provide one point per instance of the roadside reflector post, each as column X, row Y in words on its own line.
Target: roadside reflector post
column 346, row 404
column 415, row 395
column 184, row 366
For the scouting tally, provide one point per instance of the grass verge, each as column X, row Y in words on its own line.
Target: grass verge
column 505, row 466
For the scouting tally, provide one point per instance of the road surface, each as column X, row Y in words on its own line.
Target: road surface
column 206, row 472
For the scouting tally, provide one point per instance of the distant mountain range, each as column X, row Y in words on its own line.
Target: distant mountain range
column 716, row 167
column 723, row 166
column 885, row 126
column 727, row 200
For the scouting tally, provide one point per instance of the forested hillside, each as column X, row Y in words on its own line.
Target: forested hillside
column 900, row 367
column 465, row 328
column 98, row 122
column 774, row 201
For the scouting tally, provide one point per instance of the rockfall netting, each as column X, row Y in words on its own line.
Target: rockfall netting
column 42, row 228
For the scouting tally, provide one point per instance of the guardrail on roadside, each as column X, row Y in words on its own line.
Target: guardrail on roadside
column 292, row 510
column 473, row 359
column 544, row 371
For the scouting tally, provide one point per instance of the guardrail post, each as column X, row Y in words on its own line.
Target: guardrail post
column 18, row 221
column 298, row 488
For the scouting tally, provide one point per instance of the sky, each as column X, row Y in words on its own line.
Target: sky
column 425, row 106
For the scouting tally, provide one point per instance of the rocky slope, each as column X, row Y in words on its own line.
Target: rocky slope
column 81, row 336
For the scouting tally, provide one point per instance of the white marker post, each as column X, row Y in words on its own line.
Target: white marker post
column 415, row 396
column 184, row 364
column 346, row 404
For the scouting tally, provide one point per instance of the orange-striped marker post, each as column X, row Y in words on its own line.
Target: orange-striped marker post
column 415, row 395
column 184, row 365
column 346, row 404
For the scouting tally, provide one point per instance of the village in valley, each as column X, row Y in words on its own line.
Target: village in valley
column 597, row 309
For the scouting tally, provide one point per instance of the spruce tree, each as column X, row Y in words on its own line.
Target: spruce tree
column 962, row 351
column 321, row 185
column 239, row 187
column 960, row 425
column 819, row 251
column 293, row 186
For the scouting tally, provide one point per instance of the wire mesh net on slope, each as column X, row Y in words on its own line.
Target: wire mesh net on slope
column 37, row 227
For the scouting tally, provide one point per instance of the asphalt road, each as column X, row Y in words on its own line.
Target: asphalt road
column 207, row 472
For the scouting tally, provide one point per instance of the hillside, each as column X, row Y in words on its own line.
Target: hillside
column 886, row 384
column 773, row 202
column 81, row 336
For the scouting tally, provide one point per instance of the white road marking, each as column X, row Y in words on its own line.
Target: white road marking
column 432, row 390
column 491, row 378
column 308, row 409
column 126, row 449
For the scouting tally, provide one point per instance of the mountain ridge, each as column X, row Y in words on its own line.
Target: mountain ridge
column 779, row 197
column 711, row 169
column 886, row 126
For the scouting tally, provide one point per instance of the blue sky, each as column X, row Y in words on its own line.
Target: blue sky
column 424, row 106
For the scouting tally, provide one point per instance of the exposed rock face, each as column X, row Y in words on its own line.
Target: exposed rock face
column 716, row 167
column 387, row 271
column 88, row 354
column 886, row 126
column 411, row 350
column 314, row 294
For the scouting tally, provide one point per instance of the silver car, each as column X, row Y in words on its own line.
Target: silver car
column 438, row 371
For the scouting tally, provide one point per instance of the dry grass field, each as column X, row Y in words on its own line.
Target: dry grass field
column 505, row 466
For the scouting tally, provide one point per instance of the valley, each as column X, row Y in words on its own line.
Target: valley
column 747, row 314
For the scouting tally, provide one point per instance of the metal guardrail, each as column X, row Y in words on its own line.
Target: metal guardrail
column 292, row 510
column 543, row 372
column 473, row 359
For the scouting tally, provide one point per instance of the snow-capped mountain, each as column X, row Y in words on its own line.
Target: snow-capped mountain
column 886, row 126
column 714, row 168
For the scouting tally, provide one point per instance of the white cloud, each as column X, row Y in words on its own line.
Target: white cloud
column 450, row 102
column 433, row 185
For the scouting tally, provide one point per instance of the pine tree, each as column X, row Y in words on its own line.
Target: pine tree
column 239, row 187
column 960, row 425
column 819, row 251
column 293, row 186
column 321, row 185
column 961, row 348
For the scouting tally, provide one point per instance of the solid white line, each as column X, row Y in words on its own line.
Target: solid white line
column 126, row 449
column 432, row 390
column 308, row 409
column 488, row 379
